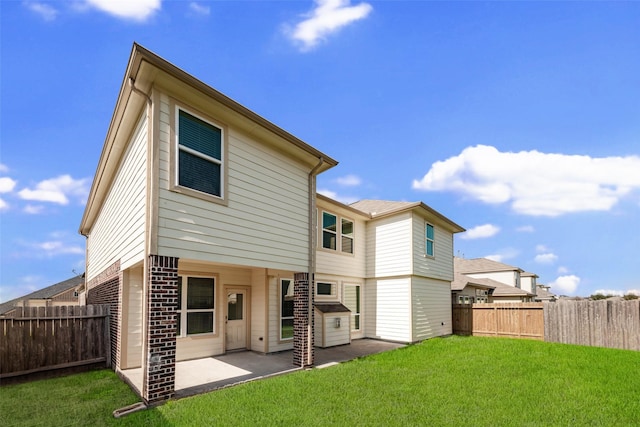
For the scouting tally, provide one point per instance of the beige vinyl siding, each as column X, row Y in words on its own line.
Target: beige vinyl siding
column 387, row 309
column 430, row 308
column 326, row 334
column 119, row 230
column 258, row 338
column 389, row 246
column 205, row 345
column 132, row 318
column 275, row 344
column 265, row 222
column 338, row 263
column 440, row 266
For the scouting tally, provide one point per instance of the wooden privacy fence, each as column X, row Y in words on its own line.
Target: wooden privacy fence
column 602, row 323
column 515, row 320
column 44, row 338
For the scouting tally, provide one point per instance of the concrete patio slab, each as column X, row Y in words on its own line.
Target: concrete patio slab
column 211, row 373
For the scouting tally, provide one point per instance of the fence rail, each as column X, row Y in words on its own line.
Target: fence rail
column 37, row 339
column 603, row 323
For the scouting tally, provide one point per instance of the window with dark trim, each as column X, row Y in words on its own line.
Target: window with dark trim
column 200, row 155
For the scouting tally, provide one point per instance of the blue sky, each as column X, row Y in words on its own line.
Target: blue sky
column 518, row 120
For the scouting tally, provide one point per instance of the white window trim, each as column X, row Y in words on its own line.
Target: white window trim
column 280, row 318
column 182, row 333
column 334, row 289
column 175, row 156
column 354, row 314
column 338, row 233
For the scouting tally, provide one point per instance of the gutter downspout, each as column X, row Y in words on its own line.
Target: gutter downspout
column 313, row 234
column 150, row 220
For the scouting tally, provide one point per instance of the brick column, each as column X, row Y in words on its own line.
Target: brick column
column 159, row 373
column 302, row 320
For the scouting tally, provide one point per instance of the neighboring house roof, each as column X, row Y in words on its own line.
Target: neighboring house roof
column 503, row 290
column 543, row 293
column 527, row 274
column 45, row 293
column 460, row 281
column 381, row 208
column 145, row 69
column 481, row 265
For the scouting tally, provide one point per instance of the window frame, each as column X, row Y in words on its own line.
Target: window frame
column 359, row 302
column 334, row 289
column 281, row 318
column 182, row 312
column 338, row 233
column 174, row 179
column 428, row 240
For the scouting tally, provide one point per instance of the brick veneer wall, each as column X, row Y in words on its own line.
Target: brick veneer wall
column 162, row 300
column 302, row 343
column 106, row 288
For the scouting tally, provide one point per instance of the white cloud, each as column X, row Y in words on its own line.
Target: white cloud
column 199, row 9
column 7, row 185
column 503, row 255
column 541, row 248
column 563, row 270
column 57, row 190
column 46, row 11
column 535, row 183
column 136, row 10
column 349, row 181
column 3, row 205
column 33, row 209
column 565, row 284
column 327, row 17
column 526, row 229
column 347, row 200
column 4, row 168
column 546, row 258
column 56, row 247
column 480, row 232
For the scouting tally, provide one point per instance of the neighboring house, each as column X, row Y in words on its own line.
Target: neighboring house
column 61, row 294
column 466, row 290
column 528, row 282
column 205, row 233
column 544, row 293
column 505, row 279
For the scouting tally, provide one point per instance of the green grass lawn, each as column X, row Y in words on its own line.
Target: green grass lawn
column 451, row 381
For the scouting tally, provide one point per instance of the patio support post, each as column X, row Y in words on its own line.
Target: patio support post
column 159, row 373
column 302, row 321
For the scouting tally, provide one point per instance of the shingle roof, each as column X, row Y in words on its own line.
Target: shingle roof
column 480, row 265
column 460, row 281
column 45, row 293
column 543, row 293
column 377, row 208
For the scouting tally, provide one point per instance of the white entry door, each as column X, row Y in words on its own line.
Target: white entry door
column 236, row 328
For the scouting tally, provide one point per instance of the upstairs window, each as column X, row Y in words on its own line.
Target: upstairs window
column 329, row 230
column 430, row 240
column 200, row 155
column 337, row 233
column 347, row 236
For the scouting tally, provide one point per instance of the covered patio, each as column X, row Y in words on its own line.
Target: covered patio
column 211, row 373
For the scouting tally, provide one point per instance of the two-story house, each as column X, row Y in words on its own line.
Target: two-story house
column 486, row 280
column 205, row 234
